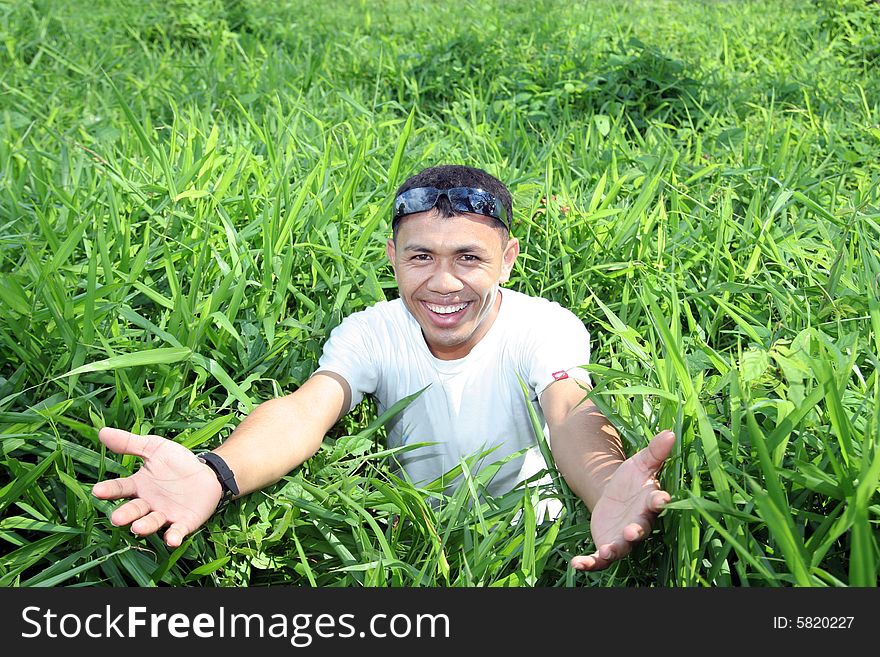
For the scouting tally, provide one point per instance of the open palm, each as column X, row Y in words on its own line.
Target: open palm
column 629, row 504
column 172, row 487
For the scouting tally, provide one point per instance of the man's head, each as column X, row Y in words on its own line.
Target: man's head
column 449, row 262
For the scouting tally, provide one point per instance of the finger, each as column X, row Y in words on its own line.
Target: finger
column 114, row 489
column 129, row 512
column 126, row 442
column 149, row 524
column 175, row 534
column 635, row 532
column 638, row 530
column 590, row 562
column 658, row 450
column 657, row 500
column 603, row 557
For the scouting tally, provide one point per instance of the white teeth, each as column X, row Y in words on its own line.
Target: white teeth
column 445, row 310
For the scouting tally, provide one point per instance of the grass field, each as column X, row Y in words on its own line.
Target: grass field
column 193, row 193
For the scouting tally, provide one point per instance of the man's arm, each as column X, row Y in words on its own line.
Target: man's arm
column 282, row 433
column 174, row 488
column 624, row 496
column 585, row 446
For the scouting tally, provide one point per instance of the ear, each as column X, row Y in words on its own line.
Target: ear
column 508, row 257
column 391, row 253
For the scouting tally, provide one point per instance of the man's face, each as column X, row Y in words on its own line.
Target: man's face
column 448, row 270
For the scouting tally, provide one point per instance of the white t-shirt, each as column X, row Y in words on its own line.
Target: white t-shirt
column 471, row 404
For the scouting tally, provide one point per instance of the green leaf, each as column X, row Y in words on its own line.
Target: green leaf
column 160, row 356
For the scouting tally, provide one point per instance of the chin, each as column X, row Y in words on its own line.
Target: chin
column 446, row 342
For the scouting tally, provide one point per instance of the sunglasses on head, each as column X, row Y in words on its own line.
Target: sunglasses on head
column 462, row 199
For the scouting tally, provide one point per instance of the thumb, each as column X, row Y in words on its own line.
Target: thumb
column 651, row 458
column 121, row 441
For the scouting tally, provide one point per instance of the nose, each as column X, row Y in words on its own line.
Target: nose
column 444, row 281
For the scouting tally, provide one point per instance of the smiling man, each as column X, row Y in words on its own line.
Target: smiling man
column 453, row 334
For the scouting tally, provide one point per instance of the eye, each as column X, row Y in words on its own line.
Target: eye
column 467, row 257
column 421, row 257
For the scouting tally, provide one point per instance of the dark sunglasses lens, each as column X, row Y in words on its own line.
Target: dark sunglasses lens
column 485, row 204
column 415, row 200
column 472, row 200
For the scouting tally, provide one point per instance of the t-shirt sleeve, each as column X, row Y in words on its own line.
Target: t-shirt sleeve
column 558, row 348
column 349, row 352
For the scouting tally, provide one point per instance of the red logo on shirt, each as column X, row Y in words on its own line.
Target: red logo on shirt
column 561, row 374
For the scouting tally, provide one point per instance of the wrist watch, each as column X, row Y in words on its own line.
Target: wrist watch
column 224, row 475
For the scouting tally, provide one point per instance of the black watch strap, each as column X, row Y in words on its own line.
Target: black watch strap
column 224, row 475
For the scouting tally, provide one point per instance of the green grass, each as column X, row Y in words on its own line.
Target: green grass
column 193, row 194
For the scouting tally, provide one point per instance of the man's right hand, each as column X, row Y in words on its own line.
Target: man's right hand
column 172, row 487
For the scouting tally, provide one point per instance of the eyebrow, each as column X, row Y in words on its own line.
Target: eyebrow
column 466, row 248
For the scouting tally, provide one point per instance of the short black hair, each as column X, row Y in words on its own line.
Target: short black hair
column 447, row 176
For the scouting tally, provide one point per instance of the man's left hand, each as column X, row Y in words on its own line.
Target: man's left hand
column 628, row 506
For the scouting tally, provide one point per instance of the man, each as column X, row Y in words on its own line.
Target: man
column 455, row 335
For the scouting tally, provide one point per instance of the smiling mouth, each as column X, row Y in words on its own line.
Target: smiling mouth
column 446, row 310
